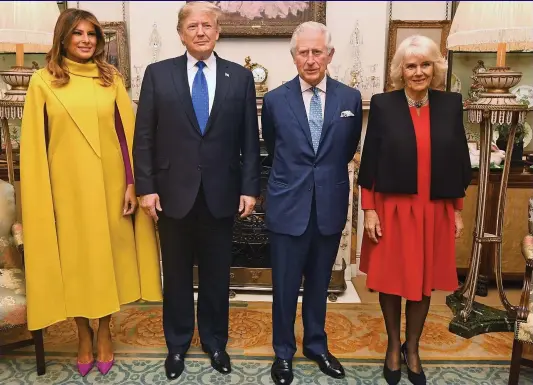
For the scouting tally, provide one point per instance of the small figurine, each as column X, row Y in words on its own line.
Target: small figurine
column 247, row 64
column 496, row 156
column 476, row 87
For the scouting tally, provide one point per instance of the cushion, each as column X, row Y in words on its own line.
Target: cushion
column 8, row 217
column 12, row 298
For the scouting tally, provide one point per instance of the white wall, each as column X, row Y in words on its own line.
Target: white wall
column 103, row 10
column 371, row 17
column 273, row 53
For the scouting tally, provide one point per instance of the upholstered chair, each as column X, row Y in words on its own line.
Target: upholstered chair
column 524, row 319
column 12, row 281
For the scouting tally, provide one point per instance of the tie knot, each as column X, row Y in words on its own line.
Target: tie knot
column 315, row 90
column 200, row 65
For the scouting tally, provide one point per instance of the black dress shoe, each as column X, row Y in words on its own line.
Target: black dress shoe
column 281, row 372
column 392, row 377
column 328, row 364
column 174, row 365
column 220, row 360
column 414, row 378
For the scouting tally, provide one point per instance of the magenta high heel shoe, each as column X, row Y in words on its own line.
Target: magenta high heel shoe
column 105, row 366
column 85, row 368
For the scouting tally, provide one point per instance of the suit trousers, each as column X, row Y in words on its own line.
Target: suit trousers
column 312, row 256
column 208, row 239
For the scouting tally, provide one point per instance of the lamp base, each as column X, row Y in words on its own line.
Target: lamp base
column 482, row 319
column 19, row 79
column 496, row 99
column 498, row 80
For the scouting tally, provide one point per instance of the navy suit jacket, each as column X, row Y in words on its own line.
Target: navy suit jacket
column 172, row 158
column 297, row 173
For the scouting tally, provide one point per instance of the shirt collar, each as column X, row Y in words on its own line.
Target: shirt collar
column 210, row 62
column 321, row 86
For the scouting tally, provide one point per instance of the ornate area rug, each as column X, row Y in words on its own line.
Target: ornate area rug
column 356, row 335
column 246, row 371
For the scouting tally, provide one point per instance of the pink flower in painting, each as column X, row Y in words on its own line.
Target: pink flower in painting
column 258, row 9
column 229, row 6
column 251, row 9
column 282, row 9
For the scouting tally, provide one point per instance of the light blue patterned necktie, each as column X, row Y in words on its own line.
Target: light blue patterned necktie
column 315, row 118
column 200, row 97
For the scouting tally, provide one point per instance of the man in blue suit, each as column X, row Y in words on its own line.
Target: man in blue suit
column 311, row 127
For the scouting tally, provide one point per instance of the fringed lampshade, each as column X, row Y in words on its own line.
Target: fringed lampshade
column 25, row 25
column 494, row 26
column 28, row 22
column 481, row 26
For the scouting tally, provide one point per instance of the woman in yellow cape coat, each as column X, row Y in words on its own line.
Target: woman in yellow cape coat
column 84, row 258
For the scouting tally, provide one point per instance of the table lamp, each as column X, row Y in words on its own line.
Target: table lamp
column 490, row 26
column 25, row 25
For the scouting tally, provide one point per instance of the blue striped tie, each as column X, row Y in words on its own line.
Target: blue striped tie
column 200, row 97
column 315, row 118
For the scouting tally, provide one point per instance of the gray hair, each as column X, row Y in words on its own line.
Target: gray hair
column 311, row 26
column 200, row 6
column 423, row 46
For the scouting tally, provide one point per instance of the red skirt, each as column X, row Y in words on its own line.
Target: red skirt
column 416, row 253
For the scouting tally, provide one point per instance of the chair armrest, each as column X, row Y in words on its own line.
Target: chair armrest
column 16, row 230
column 527, row 252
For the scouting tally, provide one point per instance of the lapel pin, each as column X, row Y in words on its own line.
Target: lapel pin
column 225, row 73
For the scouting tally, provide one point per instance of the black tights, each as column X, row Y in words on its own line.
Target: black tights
column 415, row 315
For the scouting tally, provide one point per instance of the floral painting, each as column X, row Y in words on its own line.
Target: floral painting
column 268, row 18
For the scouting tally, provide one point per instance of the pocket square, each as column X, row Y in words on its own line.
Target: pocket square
column 347, row 113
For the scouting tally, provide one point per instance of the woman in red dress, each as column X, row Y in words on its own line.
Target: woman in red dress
column 414, row 172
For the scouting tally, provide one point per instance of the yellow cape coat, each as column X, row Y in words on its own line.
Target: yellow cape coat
column 83, row 257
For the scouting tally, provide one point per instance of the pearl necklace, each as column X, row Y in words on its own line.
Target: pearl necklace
column 417, row 103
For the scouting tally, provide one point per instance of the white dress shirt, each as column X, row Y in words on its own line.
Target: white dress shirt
column 210, row 72
column 307, row 94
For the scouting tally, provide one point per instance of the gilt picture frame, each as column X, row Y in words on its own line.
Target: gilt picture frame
column 117, row 48
column 399, row 30
column 267, row 18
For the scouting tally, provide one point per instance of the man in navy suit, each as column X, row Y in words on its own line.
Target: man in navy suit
column 197, row 164
column 311, row 126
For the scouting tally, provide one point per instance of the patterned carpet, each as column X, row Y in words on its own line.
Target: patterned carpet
column 356, row 335
column 246, row 371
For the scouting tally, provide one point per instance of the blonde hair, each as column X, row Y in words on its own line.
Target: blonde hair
column 198, row 6
column 422, row 46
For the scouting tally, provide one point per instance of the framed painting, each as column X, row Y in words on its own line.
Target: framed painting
column 116, row 48
column 267, row 18
column 399, row 30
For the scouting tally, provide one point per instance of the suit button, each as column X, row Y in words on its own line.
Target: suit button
column 199, row 168
column 314, row 165
column 309, row 189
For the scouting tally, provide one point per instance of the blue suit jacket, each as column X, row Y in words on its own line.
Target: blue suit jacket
column 297, row 173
